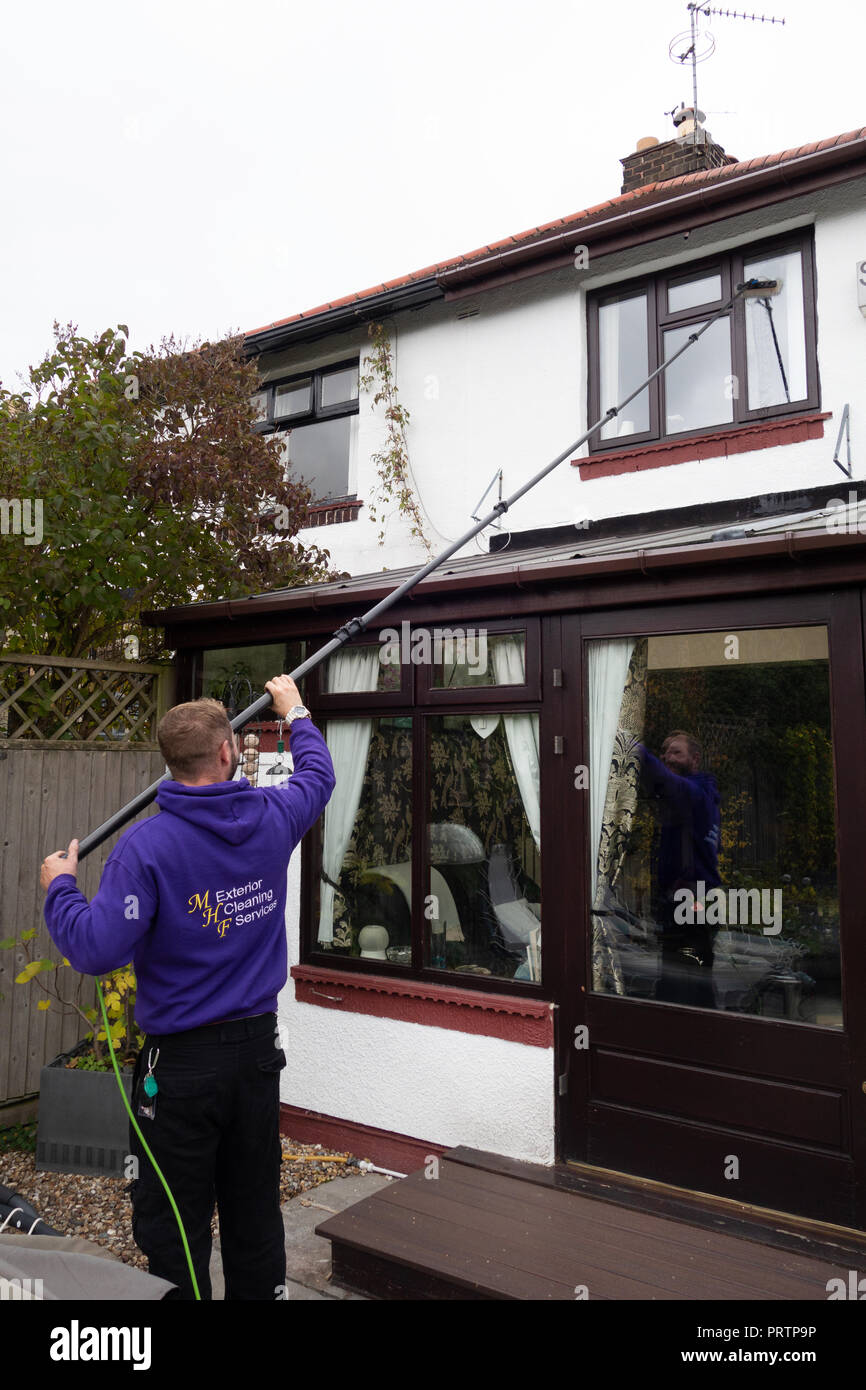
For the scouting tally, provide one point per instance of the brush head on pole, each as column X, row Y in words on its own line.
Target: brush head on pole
column 759, row 289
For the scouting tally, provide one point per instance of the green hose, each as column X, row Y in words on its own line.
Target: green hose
column 145, row 1143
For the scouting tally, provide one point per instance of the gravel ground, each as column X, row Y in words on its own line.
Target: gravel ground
column 100, row 1210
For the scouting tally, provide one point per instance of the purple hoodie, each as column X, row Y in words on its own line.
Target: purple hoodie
column 688, row 850
column 196, row 896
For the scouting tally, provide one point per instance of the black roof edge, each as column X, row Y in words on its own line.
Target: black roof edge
column 722, row 514
column 344, row 317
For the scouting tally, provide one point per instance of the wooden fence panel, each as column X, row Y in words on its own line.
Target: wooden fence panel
column 47, row 796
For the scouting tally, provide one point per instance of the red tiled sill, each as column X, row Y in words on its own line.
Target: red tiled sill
column 528, row 1021
column 764, row 434
column 330, row 513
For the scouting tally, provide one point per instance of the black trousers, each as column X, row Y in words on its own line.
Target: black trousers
column 686, row 975
column 215, row 1135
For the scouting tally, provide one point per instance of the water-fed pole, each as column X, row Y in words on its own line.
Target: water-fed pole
column 754, row 288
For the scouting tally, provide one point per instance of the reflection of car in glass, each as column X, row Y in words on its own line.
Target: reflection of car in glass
column 635, row 942
column 752, row 973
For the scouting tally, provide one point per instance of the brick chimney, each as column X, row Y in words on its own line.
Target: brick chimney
column 691, row 149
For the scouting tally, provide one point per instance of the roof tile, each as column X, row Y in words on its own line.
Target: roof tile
column 479, row 251
column 598, row 207
column 557, row 222
column 645, row 193
column 370, row 290
column 419, row 274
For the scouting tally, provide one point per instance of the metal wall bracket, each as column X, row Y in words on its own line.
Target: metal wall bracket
column 844, row 428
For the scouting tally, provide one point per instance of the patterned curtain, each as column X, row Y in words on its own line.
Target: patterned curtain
column 620, row 804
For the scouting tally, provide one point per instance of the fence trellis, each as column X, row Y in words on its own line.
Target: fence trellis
column 83, row 742
column 79, row 702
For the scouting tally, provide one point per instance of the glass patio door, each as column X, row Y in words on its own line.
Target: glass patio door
column 725, row 784
column 713, row 847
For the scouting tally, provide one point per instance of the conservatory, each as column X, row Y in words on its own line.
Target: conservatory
column 588, row 891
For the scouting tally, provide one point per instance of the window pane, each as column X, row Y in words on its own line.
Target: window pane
column 468, row 657
column 776, row 333
column 689, row 294
column 622, row 337
column 319, row 453
column 340, row 386
column 292, row 400
column 698, row 387
column 259, row 403
column 360, row 667
column 366, row 878
column 713, row 859
column 483, row 915
column 230, row 674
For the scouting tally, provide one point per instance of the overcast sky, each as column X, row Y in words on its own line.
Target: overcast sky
column 193, row 167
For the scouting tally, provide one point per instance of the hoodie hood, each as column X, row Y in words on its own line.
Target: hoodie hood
column 231, row 810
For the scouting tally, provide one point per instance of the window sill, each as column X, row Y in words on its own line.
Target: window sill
column 764, row 434
column 330, row 513
column 527, row 1021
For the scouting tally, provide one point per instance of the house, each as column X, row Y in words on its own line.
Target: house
column 590, row 887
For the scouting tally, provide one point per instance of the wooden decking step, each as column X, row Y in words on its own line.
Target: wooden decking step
column 476, row 1232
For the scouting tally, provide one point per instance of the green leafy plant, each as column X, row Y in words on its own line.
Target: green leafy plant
column 392, row 462
column 18, row 1138
column 118, row 989
column 153, row 486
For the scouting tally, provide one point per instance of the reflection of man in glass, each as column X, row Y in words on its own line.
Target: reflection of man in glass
column 687, row 804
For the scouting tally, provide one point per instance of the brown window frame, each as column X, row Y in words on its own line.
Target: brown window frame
column 420, row 702
column 316, row 414
column 730, row 266
column 316, row 411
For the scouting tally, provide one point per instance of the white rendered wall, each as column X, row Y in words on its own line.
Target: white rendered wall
column 433, row 1084
column 506, row 388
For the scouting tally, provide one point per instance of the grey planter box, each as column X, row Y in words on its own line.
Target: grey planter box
column 83, row 1126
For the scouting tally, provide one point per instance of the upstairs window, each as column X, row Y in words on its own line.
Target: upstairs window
column 757, row 360
column 318, row 411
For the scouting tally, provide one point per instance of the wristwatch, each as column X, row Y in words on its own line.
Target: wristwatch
column 297, row 712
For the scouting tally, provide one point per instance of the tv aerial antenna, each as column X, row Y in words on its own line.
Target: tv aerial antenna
column 695, row 44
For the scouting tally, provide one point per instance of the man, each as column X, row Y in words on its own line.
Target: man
column 196, row 898
column 687, row 802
